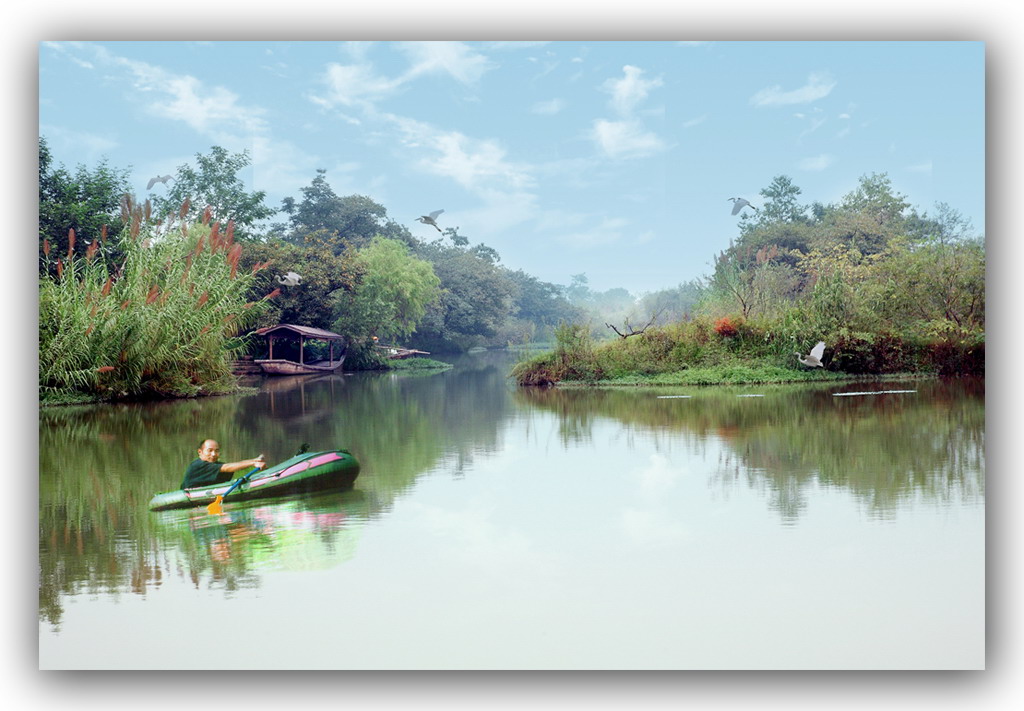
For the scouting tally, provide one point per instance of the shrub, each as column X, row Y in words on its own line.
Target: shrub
column 163, row 323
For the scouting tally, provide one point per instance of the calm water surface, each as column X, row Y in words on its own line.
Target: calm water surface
column 495, row 528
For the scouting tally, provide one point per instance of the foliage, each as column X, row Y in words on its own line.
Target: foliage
column 327, row 272
column 476, row 297
column 779, row 207
column 391, row 296
column 214, row 184
column 572, row 359
column 355, row 218
column 85, row 201
column 161, row 324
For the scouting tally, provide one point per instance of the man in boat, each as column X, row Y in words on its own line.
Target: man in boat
column 208, row 470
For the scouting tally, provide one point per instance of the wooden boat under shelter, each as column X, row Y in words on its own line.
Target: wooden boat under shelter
column 280, row 366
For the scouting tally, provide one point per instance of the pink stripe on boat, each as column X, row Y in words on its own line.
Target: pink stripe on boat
column 296, row 468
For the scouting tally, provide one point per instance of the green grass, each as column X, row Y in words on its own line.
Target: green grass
column 418, row 364
column 738, row 375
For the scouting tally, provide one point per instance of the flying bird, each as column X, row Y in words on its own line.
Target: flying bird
column 158, row 179
column 289, row 279
column 740, row 203
column 813, row 358
column 429, row 219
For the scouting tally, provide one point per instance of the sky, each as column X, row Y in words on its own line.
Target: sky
column 611, row 159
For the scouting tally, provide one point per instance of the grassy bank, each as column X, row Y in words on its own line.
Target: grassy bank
column 700, row 352
column 418, row 364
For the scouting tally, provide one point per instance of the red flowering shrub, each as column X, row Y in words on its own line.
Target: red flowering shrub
column 726, row 327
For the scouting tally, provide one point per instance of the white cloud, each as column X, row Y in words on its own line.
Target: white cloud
column 694, row 121
column 548, row 108
column 60, row 139
column 359, row 83
column 456, row 59
column 625, row 139
column 350, row 84
column 212, row 111
column 925, row 167
column 630, row 90
column 64, row 49
column 819, row 85
column 817, row 163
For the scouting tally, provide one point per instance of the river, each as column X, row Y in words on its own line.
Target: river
column 815, row 526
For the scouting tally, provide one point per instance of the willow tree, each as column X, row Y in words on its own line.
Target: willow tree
column 391, row 295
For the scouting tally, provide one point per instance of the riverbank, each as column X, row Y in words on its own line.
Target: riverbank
column 58, row 399
column 694, row 354
column 739, row 375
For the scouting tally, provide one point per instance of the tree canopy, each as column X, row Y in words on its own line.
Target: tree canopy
column 214, row 183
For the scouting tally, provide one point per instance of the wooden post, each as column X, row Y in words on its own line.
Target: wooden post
column 331, row 344
column 301, row 342
column 271, row 339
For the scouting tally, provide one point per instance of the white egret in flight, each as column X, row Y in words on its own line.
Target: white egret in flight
column 813, row 358
column 289, row 279
column 158, row 179
column 740, row 203
column 430, row 219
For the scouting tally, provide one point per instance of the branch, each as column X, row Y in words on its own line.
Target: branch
column 633, row 331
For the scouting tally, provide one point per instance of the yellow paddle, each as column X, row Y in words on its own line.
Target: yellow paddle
column 214, row 507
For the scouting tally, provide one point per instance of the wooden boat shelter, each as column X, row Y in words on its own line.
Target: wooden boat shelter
column 280, row 366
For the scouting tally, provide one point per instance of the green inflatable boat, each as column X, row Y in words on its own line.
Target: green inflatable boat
column 310, row 471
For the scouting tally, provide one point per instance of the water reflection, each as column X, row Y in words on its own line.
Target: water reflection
column 885, row 449
column 99, row 466
column 233, row 548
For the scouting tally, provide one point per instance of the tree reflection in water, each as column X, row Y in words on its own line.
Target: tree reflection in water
column 882, row 448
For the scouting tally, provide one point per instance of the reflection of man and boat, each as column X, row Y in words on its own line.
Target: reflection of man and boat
column 313, row 532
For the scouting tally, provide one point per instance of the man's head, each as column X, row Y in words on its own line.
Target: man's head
column 209, row 450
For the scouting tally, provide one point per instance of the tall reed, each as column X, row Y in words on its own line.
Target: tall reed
column 161, row 323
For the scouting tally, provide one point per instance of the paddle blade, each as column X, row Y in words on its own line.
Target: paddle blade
column 214, row 506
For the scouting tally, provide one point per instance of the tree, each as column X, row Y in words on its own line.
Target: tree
column 355, row 218
column 780, row 205
column 326, row 271
column 875, row 198
column 476, row 297
column 214, row 183
column 393, row 294
column 939, row 288
column 540, row 302
column 86, row 201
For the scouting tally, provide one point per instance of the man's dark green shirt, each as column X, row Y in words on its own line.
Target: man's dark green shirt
column 200, row 473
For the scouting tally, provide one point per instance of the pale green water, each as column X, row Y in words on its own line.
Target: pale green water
column 496, row 528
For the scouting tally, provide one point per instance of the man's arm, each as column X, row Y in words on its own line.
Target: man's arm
column 232, row 467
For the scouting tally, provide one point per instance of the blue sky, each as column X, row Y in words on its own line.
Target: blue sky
column 612, row 159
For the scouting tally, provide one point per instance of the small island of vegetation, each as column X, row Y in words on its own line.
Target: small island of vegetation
column 892, row 292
